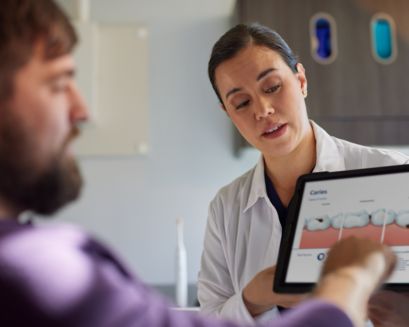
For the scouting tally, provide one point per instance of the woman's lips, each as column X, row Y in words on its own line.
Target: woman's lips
column 275, row 131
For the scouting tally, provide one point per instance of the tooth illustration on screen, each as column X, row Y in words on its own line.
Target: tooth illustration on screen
column 317, row 223
column 356, row 219
column 337, row 221
column 382, row 216
column 402, row 219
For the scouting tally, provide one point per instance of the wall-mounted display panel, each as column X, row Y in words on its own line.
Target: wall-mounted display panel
column 112, row 69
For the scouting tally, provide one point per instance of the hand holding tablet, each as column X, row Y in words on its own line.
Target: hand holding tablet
column 258, row 298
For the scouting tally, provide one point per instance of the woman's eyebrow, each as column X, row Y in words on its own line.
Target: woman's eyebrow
column 265, row 73
column 232, row 91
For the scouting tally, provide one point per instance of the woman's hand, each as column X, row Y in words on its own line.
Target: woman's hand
column 259, row 297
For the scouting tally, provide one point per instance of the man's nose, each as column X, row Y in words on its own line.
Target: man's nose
column 79, row 111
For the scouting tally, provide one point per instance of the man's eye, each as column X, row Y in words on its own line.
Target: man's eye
column 273, row 88
column 59, row 86
column 242, row 104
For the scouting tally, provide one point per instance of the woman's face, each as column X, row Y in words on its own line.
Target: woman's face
column 265, row 99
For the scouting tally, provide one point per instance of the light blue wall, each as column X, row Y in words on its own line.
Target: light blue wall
column 133, row 202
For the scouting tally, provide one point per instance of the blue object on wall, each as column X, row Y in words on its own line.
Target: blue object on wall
column 323, row 34
column 382, row 36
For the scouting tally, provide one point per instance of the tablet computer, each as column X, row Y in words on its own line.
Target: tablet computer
column 329, row 206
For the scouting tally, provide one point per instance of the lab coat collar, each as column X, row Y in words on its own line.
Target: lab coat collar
column 258, row 185
column 328, row 158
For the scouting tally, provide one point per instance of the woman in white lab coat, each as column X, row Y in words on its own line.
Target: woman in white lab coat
column 262, row 88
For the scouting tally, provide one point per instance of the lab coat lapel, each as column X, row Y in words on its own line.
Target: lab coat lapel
column 329, row 157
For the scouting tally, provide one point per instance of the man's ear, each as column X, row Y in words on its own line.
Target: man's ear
column 302, row 79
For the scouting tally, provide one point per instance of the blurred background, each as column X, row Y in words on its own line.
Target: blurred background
column 158, row 146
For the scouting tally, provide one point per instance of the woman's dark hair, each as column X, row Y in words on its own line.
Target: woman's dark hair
column 238, row 38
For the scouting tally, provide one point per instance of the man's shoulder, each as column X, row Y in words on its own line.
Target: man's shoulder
column 59, row 270
column 47, row 250
column 61, row 274
column 27, row 238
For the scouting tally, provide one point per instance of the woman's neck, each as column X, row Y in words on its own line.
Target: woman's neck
column 284, row 171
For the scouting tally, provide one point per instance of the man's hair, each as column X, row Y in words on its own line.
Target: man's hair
column 241, row 36
column 23, row 23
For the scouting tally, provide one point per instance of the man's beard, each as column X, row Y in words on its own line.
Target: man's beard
column 26, row 187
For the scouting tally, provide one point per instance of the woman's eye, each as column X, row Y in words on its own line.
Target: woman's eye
column 273, row 88
column 242, row 104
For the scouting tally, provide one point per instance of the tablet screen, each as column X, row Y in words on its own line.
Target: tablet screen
column 374, row 207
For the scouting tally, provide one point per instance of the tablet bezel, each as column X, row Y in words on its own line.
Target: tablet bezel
column 280, row 285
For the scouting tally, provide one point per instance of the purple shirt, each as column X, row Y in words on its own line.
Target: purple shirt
column 60, row 276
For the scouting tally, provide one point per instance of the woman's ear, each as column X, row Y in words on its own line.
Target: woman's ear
column 223, row 108
column 302, row 79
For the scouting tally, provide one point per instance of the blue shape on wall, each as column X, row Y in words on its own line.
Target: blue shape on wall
column 382, row 36
column 323, row 34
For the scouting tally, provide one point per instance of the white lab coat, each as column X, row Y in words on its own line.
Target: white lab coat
column 243, row 231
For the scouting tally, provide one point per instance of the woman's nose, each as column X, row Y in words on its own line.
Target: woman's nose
column 263, row 109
